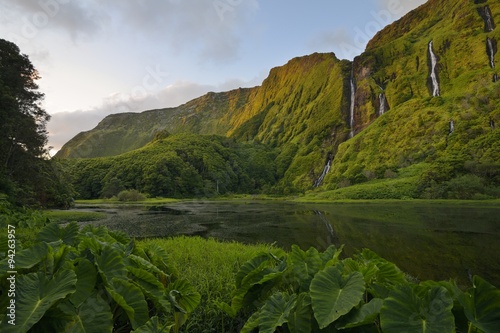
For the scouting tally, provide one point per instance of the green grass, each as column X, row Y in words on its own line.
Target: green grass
column 63, row 216
column 152, row 201
column 210, row 266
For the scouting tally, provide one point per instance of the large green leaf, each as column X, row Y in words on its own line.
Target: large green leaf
column 299, row 320
column 184, row 296
column 26, row 258
column 110, row 264
column 151, row 287
column 252, row 323
column 304, row 265
column 53, row 233
column 251, row 267
column 131, row 299
column 482, row 305
column 275, row 312
column 93, row 315
column 36, row 294
column 333, row 295
column 87, row 277
column 365, row 315
column 153, row 326
column 418, row 310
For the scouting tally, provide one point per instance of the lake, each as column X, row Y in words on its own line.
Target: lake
column 427, row 240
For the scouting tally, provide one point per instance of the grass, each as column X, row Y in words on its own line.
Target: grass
column 209, row 265
column 152, row 201
column 63, row 216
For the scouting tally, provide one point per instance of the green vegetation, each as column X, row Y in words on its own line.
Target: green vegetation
column 308, row 291
column 63, row 216
column 26, row 176
column 183, row 165
column 210, row 266
column 92, row 280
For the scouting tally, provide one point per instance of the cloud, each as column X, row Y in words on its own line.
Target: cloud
column 209, row 28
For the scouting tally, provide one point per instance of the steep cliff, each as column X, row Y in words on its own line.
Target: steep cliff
column 424, row 92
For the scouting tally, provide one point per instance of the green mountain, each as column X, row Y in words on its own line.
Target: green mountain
column 417, row 111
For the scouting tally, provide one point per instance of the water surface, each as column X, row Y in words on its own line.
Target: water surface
column 429, row 241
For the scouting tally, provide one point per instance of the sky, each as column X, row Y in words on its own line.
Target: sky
column 98, row 57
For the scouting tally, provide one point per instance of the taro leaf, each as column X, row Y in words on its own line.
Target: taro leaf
column 482, row 305
column 26, row 258
column 130, row 298
column 87, row 277
column 331, row 255
column 151, row 287
column 252, row 266
column 299, row 320
column 158, row 256
column 35, row 295
column 333, row 295
column 275, row 311
column 110, row 264
column 412, row 310
column 252, row 323
column 183, row 296
column 365, row 315
column 153, row 326
column 93, row 315
column 305, row 265
column 53, row 233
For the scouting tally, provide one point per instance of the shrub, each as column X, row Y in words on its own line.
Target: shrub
column 93, row 280
column 131, row 195
column 308, row 291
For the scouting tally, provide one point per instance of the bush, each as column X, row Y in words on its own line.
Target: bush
column 93, row 280
column 308, row 291
column 131, row 195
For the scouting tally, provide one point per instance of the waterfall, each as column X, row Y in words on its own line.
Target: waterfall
column 326, row 169
column 488, row 20
column 491, row 51
column 353, row 101
column 495, row 77
column 383, row 104
column 433, row 75
column 452, row 127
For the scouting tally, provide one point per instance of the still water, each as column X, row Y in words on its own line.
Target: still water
column 427, row 240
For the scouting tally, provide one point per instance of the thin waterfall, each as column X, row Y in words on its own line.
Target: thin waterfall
column 383, row 104
column 495, row 77
column 433, row 75
column 452, row 127
column 488, row 20
column 491, row 51
column 326, row 169
column 353, row 101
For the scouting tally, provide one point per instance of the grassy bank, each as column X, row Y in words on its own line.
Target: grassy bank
column 210, row 266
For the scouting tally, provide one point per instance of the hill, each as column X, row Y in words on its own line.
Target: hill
column 423, row 95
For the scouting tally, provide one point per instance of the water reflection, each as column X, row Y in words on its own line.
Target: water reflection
column 427, row 241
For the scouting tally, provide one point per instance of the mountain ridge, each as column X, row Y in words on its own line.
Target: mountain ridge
column 421, row 92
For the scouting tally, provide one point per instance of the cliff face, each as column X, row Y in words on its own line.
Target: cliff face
column 212, row 113
column 425, row 89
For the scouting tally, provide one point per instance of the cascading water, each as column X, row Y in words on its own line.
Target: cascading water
column 495, row 77
column 491, row 51
column 326, row 169
column 433, row 74
column 383, row 104
column 353, row 101
column 452, row 127
column 488, row 20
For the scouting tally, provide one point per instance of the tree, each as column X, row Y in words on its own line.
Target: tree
column 23, row 133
